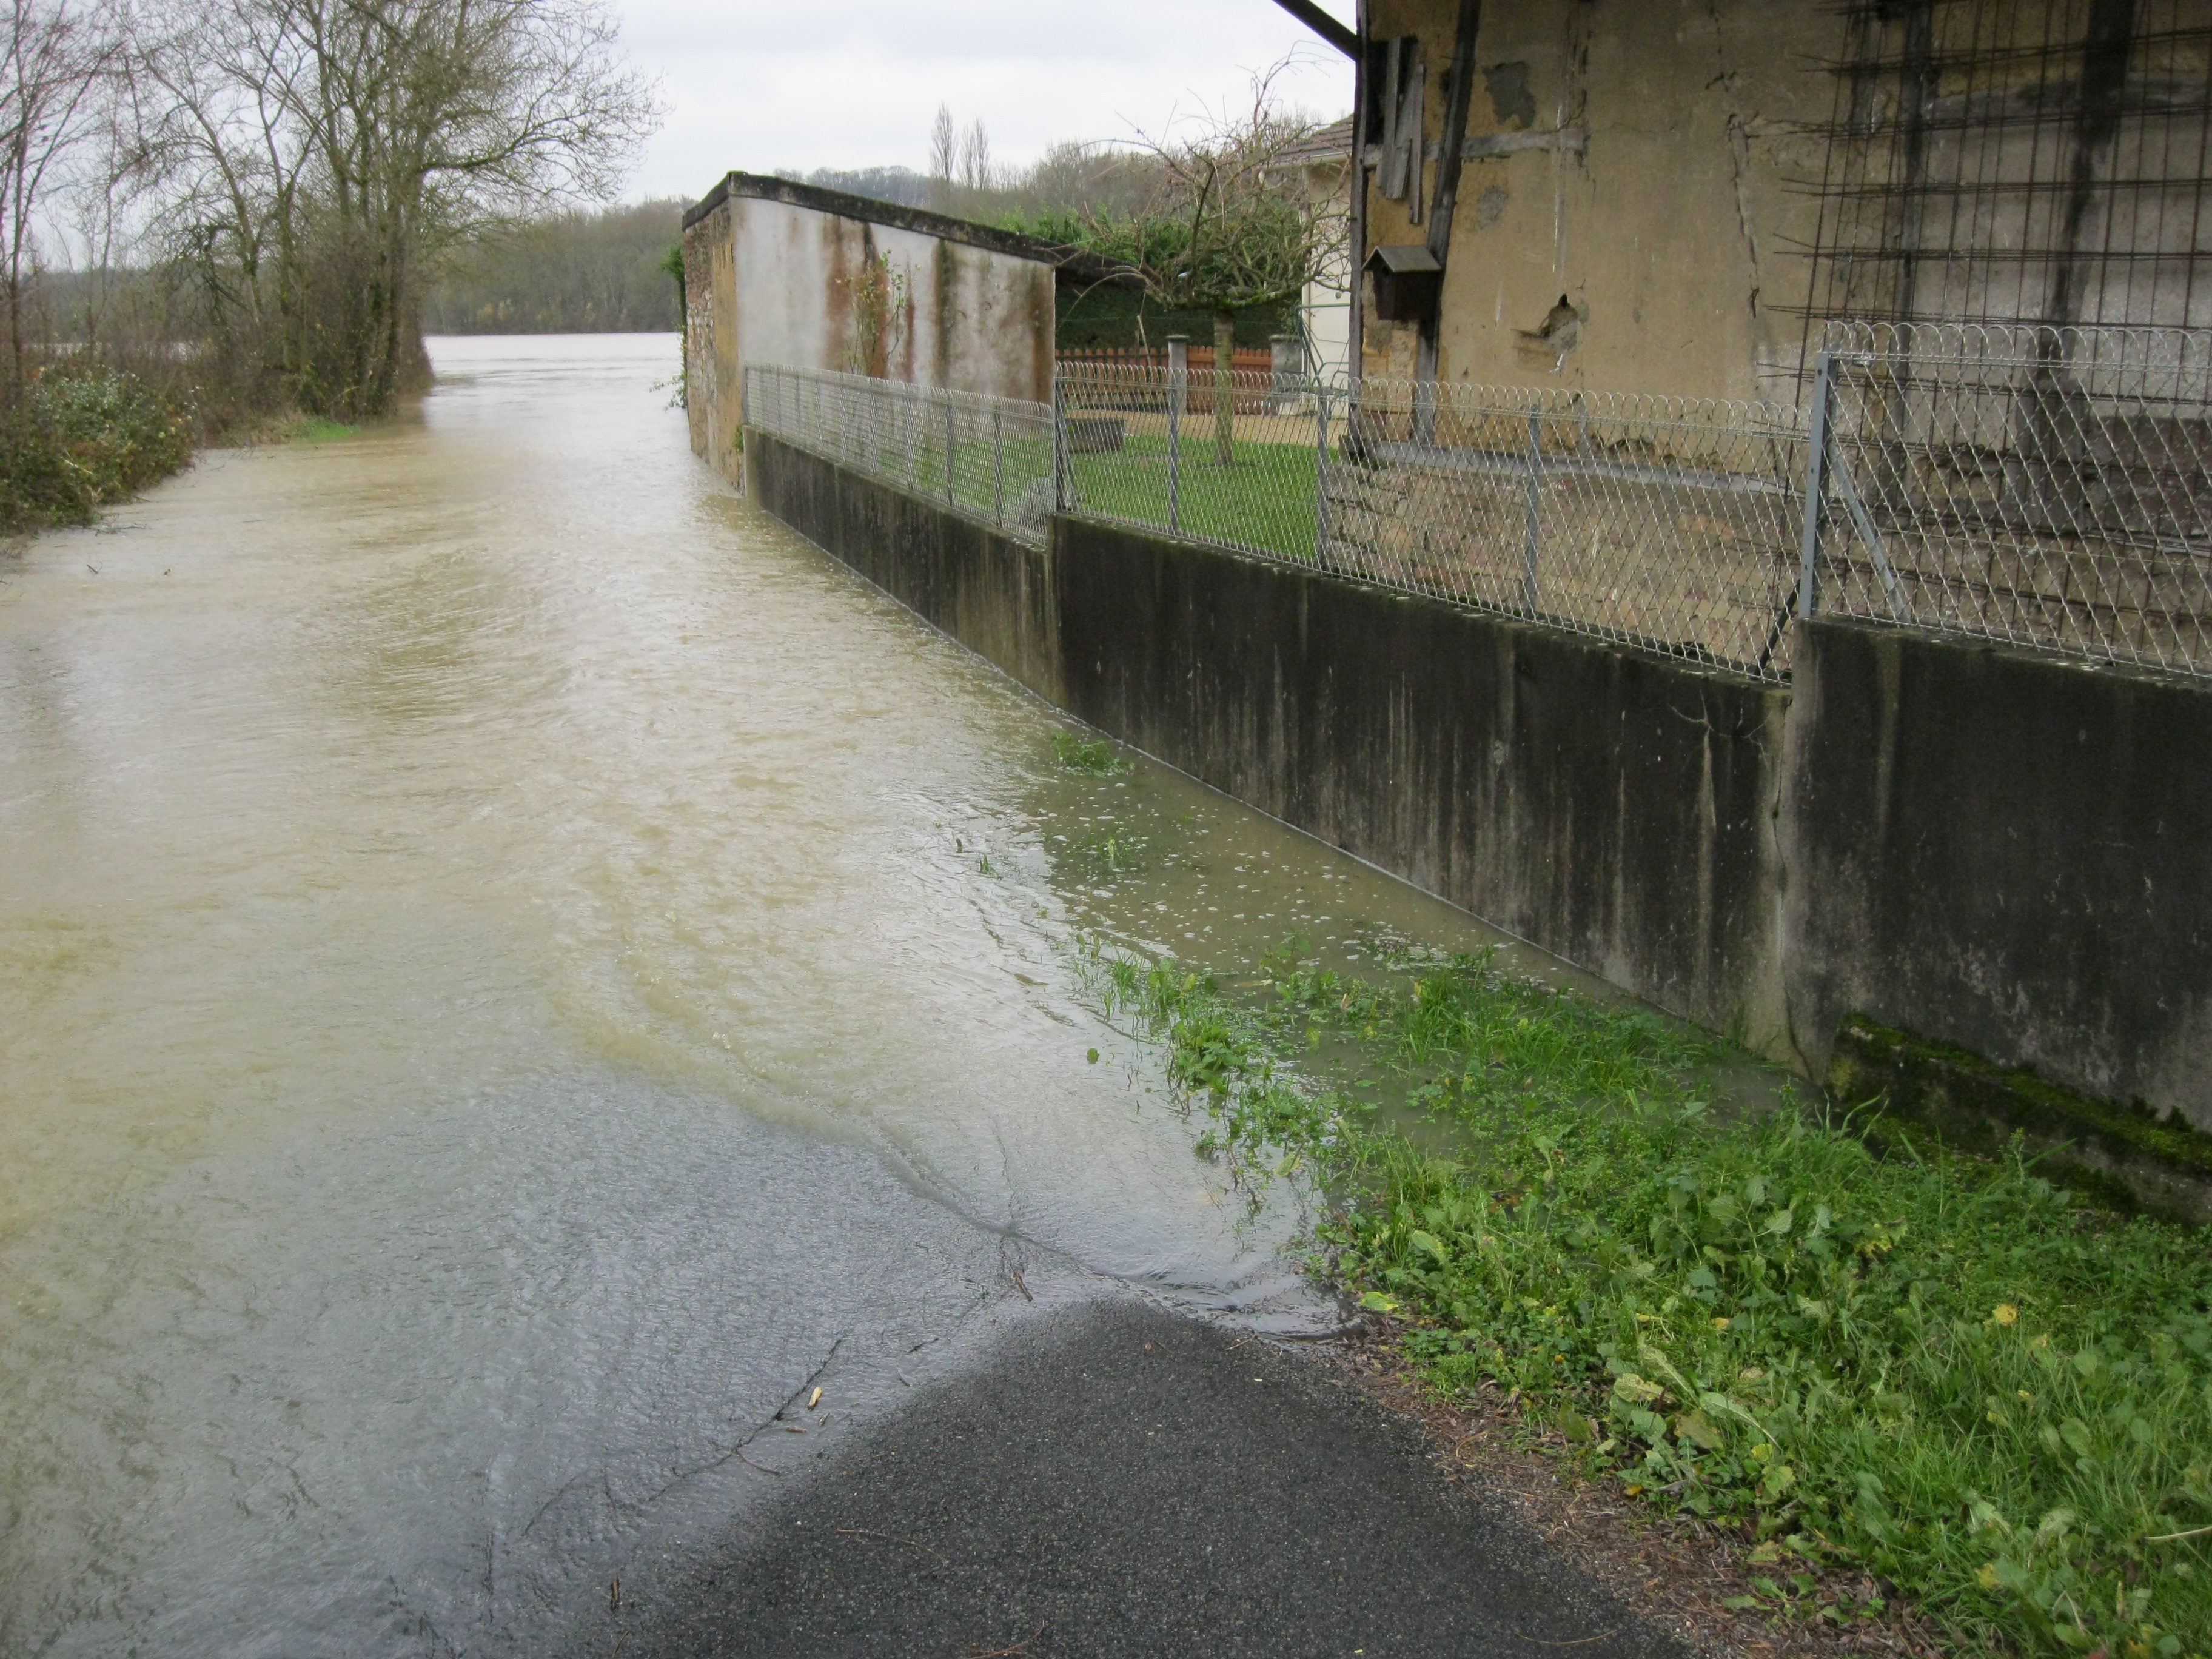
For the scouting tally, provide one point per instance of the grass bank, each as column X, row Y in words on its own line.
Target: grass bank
column 1264, row 498
column 1945, row 1370
column 75, row 441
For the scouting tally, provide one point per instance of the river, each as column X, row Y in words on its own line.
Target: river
column 518, row 964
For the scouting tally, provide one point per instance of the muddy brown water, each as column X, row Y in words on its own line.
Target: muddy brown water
column 519, row 967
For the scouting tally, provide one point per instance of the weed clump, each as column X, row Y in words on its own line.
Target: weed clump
column 1091, row 757
column 1934, row 1367
column 76, row 441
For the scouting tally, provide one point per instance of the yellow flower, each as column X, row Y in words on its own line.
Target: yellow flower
column 2005, row 1313
column 1986, row 1575
column 1720, row 1324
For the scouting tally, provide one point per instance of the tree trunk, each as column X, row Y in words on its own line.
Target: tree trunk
column 1224, row 388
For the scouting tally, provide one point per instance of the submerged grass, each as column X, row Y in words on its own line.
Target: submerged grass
column 1941, row 1368
column 313, row 429
column 1090, row 758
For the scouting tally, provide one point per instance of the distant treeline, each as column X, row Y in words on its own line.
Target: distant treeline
column 610, row 271
column 901, row 185
column 604, row 272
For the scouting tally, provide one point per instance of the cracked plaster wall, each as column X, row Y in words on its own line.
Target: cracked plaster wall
column 1668, row 229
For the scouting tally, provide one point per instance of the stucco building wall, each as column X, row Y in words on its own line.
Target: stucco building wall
column 1635, row 162
column 1667, row 195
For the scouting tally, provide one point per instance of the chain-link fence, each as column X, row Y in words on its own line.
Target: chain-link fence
column 1668, row 523
column 1230, row 457
column 988, row 458
column 2045, row 486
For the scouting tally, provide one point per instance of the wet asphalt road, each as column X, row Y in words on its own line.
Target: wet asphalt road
column 1120, row 1481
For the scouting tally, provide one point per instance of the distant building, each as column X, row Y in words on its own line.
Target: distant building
column 1323, row 160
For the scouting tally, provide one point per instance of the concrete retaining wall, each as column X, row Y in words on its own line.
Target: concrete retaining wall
column 1613, row 808
column 1996, row 851
column 992, row 594
column 2007, row 853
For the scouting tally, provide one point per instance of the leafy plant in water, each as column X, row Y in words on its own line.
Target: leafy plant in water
column 1091, row 757
column 1107, row 855
column 1262, row 1119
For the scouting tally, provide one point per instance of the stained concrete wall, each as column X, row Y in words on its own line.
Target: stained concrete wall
column 1615, row 809
column 994, row 595
column 2010, row 854
column 776, row 272
column 1995, row 850
column 712, row 397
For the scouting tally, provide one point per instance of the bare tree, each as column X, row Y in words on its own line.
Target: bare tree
column 943, row 146
column 55, row 58
column 975, row 156
column 327, row 152
column 1227, row 224
column 102, row 205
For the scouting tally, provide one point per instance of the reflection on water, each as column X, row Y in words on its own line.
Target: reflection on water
column 516, row 963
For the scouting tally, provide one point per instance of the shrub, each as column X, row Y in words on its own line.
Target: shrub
column 77, row 440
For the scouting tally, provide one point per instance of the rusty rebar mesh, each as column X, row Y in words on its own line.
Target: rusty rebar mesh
column 988, row 458
column 2034, row 160
column 2047, row 487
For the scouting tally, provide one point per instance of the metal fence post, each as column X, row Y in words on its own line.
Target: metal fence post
column 1178, row 389
column 998, row 466
column 948, row 447
column 1816, row 463
column 1320, row 473
column 1532, row 535
column 908, row 425
column 1062, row 466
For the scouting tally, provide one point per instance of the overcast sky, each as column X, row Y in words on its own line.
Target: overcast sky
column 763, row 84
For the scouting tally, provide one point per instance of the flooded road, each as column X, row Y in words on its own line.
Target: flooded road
column 519, row 967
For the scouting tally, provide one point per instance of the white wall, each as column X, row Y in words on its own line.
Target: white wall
column 968, row 317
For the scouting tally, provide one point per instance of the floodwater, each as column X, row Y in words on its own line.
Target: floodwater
column 518, row 968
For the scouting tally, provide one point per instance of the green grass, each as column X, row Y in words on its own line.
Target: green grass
column 1264, row 498
column 1941, row 1368
column 1090, row 758
column 314, row 429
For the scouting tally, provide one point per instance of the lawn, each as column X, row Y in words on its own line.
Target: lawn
column 1263, row 499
